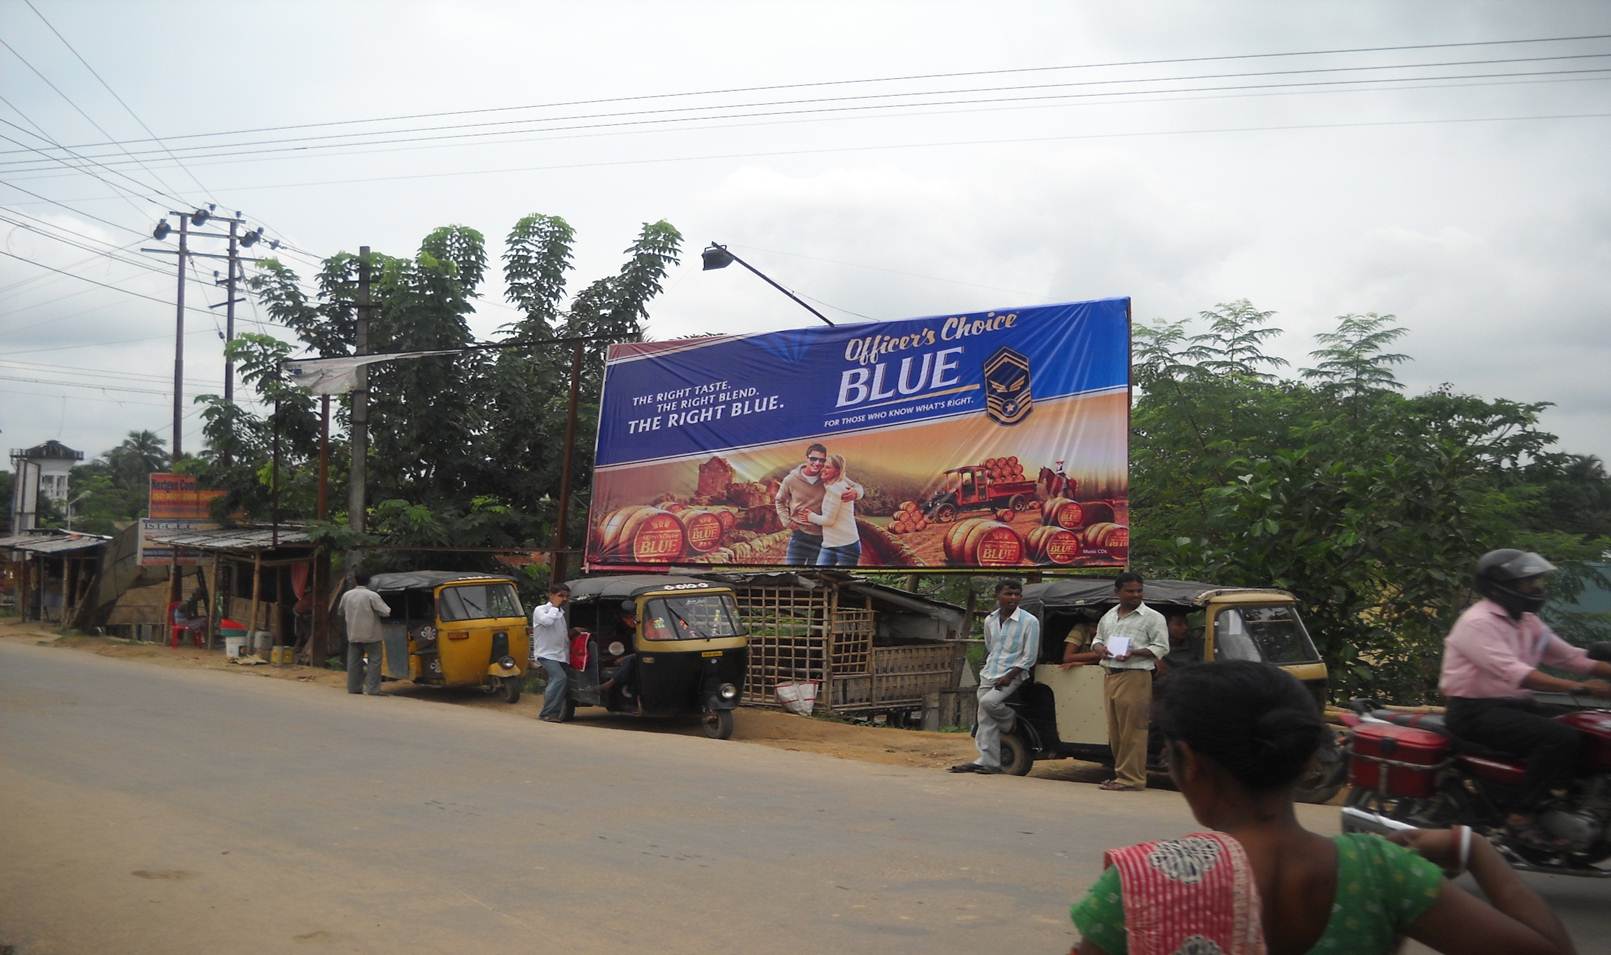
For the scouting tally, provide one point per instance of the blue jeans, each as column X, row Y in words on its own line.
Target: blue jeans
column 848, row 555
column 803, row 549
column 559, row 678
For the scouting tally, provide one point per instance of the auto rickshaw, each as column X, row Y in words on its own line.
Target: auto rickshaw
column 691, row 648
column 449, row 628
column 1061, row 712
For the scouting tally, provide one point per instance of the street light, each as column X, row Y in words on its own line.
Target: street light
column 70, row 502
column 719, row 257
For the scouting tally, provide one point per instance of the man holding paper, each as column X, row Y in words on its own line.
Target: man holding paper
column 1131, row 639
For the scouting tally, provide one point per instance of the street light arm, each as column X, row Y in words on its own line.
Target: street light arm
column 726, row 253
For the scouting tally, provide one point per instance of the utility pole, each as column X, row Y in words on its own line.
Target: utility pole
column 560, row 564
column 229, row 312
column 237, row 241
column 360, row 402
column 179, row 342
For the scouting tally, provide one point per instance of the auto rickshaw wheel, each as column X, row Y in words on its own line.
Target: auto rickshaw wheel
column 1016, row 757
column 511, row 689
column 718, row 724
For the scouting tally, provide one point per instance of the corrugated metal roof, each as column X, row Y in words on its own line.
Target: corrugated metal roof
column 16, row 539
column 62, row 545
column 65, row 545
column 230, row 538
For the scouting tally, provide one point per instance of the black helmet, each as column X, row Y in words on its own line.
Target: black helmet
column 1499, row 570
column 629, row 607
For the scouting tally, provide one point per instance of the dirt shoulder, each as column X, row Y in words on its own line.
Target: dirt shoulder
column 890, row 747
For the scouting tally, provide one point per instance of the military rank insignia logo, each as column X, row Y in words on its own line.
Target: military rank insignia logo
column 1007, row 397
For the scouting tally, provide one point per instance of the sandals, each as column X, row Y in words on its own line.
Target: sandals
column 973, row 768
column 1114, row 786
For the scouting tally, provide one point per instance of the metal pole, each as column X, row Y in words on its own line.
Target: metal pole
column 360, row 402
column 229, row 324
column 565, row 470
column 768, row 280
column 274, row 481
column 179, row 343
column 324, row 455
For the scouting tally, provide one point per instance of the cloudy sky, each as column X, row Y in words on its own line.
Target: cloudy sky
column 885, row 159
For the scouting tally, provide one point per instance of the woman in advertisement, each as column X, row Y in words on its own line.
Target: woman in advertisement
column 841, row 541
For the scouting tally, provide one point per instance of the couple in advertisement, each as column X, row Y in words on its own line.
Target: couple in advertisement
column 817, row 502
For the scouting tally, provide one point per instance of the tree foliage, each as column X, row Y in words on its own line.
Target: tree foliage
column 1369, row 505
column 464, row 449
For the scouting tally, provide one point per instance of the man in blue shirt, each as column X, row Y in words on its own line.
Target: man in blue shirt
column 1012, row 647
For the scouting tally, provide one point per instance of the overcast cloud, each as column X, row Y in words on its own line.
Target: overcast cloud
column 1490, row 240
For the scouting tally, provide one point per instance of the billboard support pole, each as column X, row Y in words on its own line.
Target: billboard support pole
column 559, row 562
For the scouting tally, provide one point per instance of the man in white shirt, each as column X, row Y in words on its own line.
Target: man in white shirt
column 1012, row 647
column 551, row 649
column 362, row 609
column 1131, row 638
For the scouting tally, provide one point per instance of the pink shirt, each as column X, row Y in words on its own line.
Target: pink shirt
column 1487, row 654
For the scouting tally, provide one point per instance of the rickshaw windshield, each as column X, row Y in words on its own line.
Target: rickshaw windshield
column 1272, row 634
column 694, row 617
column 479, row 602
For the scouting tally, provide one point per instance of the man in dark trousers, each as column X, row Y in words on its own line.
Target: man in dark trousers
column 362, row 609
column 1491, row 661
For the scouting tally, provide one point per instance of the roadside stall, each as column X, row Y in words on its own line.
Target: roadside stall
column 853, row 646
column 54, row 573
column 253, row 575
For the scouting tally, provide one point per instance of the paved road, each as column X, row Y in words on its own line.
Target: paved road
column 148, row 809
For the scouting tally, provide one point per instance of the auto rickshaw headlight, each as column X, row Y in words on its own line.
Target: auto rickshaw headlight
column 727, row 691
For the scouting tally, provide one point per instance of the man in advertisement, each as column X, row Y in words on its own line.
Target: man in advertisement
column 803, row 487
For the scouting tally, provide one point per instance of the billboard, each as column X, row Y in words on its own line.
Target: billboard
column 175, row 504
column 983, row 440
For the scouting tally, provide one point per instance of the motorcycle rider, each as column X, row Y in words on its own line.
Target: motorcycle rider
column 1491, row 660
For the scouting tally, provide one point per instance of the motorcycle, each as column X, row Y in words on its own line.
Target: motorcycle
column 1407, row 771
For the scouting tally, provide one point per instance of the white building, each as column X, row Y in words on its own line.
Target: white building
column 39, row 471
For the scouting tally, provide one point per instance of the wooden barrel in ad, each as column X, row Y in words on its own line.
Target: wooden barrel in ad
column 1096, row 512
column 1107, row 539
column 641, row 534
column 704, row 530
column 1062, row 512
column 983, row 543
column 1053, row 545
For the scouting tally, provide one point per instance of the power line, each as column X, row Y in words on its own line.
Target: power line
column 126, row 107
column 104, row 344
column 81, row 278
column 874, row 80
column 827, row 150
column 347, row 139
column 777, row 153
column 87, row 117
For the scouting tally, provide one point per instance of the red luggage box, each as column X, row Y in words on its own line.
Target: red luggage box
column 1396, row 760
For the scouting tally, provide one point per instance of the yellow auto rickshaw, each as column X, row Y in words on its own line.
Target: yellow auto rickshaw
column 1062, row 712
column 450, row 628
column 690, row 645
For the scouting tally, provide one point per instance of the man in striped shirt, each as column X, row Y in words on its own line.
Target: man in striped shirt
column 1012, row 647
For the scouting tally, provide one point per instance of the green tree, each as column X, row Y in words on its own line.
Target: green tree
column 1370, row 505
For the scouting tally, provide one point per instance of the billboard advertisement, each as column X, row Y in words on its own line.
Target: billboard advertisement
column 176, row 503
column 983, row 440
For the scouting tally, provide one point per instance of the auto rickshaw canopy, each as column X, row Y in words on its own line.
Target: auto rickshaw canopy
column 1084, row 593
column 427, row 579
column 631, row 586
